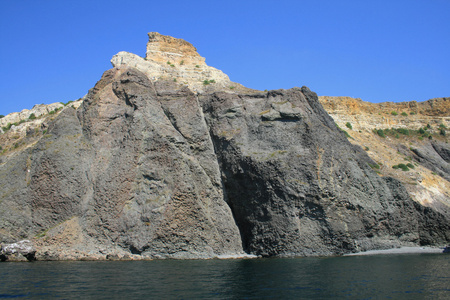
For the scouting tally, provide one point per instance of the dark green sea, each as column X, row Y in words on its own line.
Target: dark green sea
column 406, row 276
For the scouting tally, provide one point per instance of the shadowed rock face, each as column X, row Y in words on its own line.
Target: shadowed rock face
column 298, row 187
column 148, row 168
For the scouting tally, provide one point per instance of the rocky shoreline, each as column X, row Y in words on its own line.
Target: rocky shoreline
column 25, row 250
column 401, row 250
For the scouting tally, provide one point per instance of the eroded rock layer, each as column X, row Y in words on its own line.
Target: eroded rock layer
column 414, row 134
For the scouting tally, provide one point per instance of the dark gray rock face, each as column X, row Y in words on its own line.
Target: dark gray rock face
column 296, row 186
column 154, row 170
column 434, row 156
column 134, row 167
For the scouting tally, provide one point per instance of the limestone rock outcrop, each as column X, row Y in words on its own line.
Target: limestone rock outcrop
column 38, row 110
column 21, row 122
column 168, row 58
column 368, row 116
column 148, row 167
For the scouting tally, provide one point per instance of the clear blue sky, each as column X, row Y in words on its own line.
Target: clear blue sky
column 396, row 50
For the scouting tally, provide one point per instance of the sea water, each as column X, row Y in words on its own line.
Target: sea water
column 406, row 276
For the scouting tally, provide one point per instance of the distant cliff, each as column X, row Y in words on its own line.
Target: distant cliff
column 409, row 133
column 167, row 158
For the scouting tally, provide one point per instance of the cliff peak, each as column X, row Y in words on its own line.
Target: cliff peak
column 177, row 60
column 163, row 48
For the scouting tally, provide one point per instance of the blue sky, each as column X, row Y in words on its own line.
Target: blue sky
column 395, row 50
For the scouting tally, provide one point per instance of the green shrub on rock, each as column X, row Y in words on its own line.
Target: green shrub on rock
column 410, row 165
column 345, row 132
column 7, row 127
column 401, row 166
column 374, row 166
column 380, row 132
column 206, row 81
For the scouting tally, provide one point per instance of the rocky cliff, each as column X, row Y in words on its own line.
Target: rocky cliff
column 166, row 157
column 409, row 133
